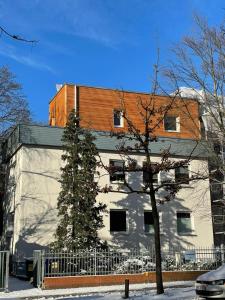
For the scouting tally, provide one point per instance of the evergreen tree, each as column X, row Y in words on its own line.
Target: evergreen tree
column 79, row 214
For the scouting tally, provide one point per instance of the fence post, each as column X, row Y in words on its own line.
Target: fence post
column 222, row 252
column 7, row 272
column 42, row 265
column 4, row 270
column 126, row 294
column 37, row 268
column 95, row 262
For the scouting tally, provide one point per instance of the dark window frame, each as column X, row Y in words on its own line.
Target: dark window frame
column 182, row 177
column 115, row 218
column 148, row 225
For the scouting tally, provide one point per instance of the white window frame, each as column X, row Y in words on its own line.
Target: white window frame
column 160, row 222
column 177, row 123
column 157, row 175
column 117, row 181
column 169, row 176
column 121, row 118
column 191, row 220
column 127, row 220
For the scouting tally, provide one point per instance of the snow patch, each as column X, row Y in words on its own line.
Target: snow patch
column 213, row 275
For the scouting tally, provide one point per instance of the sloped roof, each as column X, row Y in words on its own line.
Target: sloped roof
column 47, row 136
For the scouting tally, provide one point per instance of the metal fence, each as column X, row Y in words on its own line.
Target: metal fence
column 96, row 262
column 4, row 270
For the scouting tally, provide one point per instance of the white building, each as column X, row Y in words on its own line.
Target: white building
column 33, row 158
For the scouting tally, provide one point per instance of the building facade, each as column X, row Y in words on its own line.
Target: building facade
column 33, row 157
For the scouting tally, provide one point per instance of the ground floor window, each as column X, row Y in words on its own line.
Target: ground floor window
column 184, row 224
column 118, row 220
column 148, row 222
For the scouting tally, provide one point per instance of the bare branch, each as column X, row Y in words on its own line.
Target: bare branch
column 16, row 37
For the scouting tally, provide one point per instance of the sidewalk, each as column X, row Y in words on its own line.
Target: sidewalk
column 19, row 289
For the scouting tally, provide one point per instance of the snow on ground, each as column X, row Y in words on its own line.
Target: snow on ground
column 19, row 289
column 170, row 293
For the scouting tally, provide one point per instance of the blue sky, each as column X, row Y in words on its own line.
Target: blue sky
column 108, row 43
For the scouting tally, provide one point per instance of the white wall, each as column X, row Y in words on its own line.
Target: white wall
column 36, row 202
column 12, row 200
column 194, row 198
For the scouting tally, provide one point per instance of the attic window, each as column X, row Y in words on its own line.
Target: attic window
column 118, row 118
column 172, row 123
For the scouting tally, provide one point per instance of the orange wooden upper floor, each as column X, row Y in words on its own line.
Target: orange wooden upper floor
column 100, row 109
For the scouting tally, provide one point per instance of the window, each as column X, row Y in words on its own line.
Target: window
column 116, row 171
column 10, row 224
column 171, row 123
column 148, row 222
column 118, row 221
column 118, row 118
column 217, row 191
column 146, row 175
column 182, row 174
column 184, row 225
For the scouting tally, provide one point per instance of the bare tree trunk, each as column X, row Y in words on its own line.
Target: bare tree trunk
column 159, row 281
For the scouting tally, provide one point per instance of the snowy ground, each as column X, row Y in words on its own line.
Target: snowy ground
column 19, row 289
column 170, row 293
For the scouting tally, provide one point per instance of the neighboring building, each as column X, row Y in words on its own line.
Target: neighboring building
column 216, row 150
column 33, row 155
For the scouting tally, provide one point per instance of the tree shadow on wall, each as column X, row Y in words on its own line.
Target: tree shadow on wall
column 136, row 204
column 35, row 213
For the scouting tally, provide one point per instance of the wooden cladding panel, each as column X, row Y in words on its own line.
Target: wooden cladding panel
column 57, row 109
column 61, row 106
column 52, row 113
column 97, row 105
column 96, row 108
column 70, row 100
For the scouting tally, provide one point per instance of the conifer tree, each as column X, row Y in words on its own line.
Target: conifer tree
column 79, row 214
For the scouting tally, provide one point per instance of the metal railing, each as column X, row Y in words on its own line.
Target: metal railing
column 98, row 262
column 4, row 270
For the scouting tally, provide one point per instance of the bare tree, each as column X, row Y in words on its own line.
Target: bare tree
column 200, row 66
column 199, row 72
column 140, row 140
column 13, row 105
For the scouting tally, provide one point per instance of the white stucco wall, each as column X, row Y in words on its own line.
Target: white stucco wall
column 194, row 198
column 12, row 200
column 36, row 202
